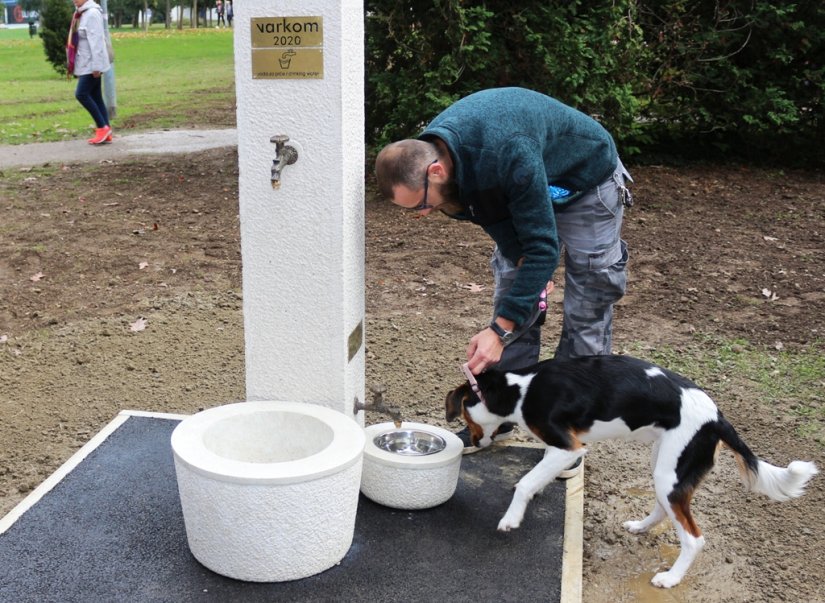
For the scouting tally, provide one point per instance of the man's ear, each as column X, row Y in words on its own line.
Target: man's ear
column 438, row 173
column 455, row 401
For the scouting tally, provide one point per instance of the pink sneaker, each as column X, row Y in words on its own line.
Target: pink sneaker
column 101, row 134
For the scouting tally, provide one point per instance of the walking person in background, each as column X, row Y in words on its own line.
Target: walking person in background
column 88, row 56
column 536, row 175
column 219, row 10
column 229, row 12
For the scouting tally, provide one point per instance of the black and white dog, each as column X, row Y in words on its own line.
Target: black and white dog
column 569, row 403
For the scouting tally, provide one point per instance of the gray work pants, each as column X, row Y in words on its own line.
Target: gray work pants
column 595, row 277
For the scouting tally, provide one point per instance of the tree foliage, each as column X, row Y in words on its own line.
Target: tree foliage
column 55, row 19
column 425, row 54
column 742, row 77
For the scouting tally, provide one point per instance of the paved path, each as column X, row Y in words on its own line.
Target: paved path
column 79, row 151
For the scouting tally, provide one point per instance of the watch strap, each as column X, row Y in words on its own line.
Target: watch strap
column 504, row 335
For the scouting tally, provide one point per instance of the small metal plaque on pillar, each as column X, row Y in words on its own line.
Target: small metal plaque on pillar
column 355, row 340
column 287, row 48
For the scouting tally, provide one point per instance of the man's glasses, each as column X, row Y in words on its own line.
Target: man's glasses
column 424, row 205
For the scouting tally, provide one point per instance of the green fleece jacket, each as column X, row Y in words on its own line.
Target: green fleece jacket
column 508, row 145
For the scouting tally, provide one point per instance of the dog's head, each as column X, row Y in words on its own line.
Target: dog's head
column 481, row 422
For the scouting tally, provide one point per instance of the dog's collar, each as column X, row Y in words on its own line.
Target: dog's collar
column 473, row 383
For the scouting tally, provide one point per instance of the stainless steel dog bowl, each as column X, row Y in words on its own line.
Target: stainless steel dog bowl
column 410, row 442
column 415, row 466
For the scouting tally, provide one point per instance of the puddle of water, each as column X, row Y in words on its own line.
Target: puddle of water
column 638, row 588
column 668, row 553
column 641, row 590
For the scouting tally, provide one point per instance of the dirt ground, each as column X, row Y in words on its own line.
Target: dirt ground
column 121, row 289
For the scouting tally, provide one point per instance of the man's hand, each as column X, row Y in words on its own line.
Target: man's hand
column 95, row 74
column 485, row 347
column 484, row 351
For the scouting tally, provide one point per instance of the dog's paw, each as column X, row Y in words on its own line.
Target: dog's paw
column 635, row 527
column 506, row 524
column 665, row 580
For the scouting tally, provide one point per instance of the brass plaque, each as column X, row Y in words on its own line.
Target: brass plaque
column 355, row 340
column 287, row 47
column 287, row 63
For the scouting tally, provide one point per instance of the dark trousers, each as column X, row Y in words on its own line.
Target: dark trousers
column 89, row 93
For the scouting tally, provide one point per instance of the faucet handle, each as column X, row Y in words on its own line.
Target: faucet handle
column 284, row 154
column 378, row 391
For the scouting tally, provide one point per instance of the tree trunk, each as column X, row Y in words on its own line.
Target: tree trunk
column 180, row 15
column 146, row 17
column 168, row 13
column 195, row 15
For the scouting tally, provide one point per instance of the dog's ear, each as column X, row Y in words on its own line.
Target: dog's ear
column 454, row 402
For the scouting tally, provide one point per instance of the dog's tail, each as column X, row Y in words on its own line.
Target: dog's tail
column 777, row 483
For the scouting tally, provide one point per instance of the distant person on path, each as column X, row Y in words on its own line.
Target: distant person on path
column 229, row 12
column 536, row 175
column 219, row 10
column 88, row 59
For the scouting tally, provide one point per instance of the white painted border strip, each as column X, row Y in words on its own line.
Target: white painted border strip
column 50, row 482
column 573, row 543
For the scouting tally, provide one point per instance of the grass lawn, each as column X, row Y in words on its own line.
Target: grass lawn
column 164, row 78
column 14, row 33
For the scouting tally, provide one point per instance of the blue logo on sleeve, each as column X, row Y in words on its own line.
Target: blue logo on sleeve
column 557, row 192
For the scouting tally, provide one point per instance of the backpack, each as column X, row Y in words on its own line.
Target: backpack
column 71, row 45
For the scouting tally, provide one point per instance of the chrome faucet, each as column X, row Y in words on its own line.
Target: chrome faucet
column 284, row 155
column 378, row 405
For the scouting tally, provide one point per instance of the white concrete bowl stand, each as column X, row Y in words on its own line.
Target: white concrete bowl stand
column 269, row 490
column 410, row 482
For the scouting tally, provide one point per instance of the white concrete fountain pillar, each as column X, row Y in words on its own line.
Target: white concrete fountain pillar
column 299, row 72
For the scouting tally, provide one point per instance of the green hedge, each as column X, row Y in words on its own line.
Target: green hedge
column 55, row 19
column 684, row 77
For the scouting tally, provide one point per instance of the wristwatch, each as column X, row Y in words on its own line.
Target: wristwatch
column 504, row 335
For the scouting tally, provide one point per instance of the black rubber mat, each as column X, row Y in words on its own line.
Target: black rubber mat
column 113, row 530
